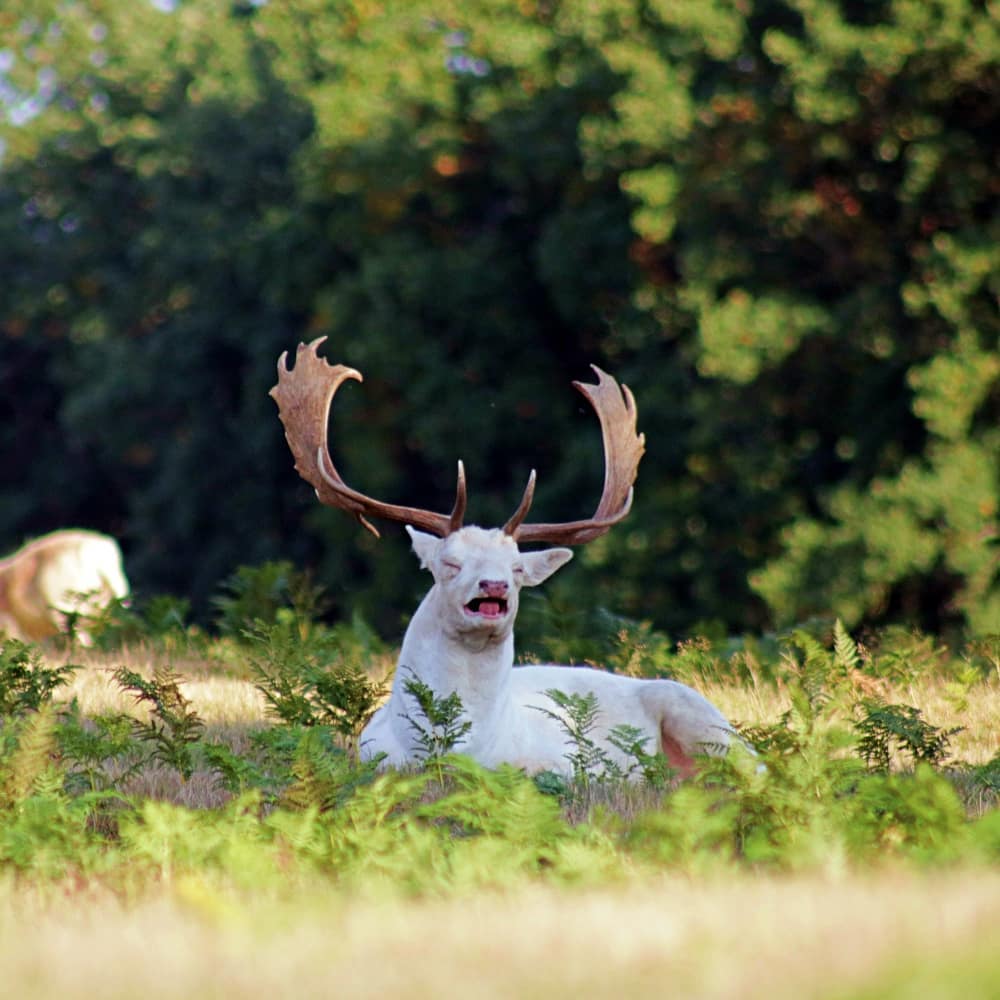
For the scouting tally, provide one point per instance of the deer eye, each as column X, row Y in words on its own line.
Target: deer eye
column 518, row 570
column 450, row 564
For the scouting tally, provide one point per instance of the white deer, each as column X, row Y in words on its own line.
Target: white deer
column 461, row 638
column 69, row 574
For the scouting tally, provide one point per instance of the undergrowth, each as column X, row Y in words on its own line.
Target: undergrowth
column 845, row 776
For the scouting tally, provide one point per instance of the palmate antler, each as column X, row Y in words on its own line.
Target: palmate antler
column 305, row 392
column 304, row 395
column 623, row 448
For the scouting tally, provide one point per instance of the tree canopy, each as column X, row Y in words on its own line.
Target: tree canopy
column 774, row 219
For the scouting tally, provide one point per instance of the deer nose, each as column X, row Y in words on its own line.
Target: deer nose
column 493, row 588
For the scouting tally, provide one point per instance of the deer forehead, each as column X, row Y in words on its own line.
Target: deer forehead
column 480, row 546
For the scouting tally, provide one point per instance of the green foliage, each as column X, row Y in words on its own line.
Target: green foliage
column 648, row 764
column 324, row 776
column 439, row 729
column 984, row 653
column 26, row 682
column 319, row 679
column 87, row 746
column 774, row 220
column 28, row 766
column 554, row 629
column 173, row 727
column 169, row 841
column 487, row 829
column 237, row 773
column 817, row 674
column 162, row 621
column 43, row 832
column 919, row 815
column 577, row 715
column 267, row 594
column 988, row 774
column 301, row 766
column 810, row 806
column 903, row 655
column 885, row 727
column 838, row 780
column 50, row 837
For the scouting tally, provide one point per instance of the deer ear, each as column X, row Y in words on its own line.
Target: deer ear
column 425, row 546
column 539, row 566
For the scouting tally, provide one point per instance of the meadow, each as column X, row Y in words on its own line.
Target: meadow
column 182, row 814
column 775, row 220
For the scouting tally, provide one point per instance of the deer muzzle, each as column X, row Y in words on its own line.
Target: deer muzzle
column 492, row 600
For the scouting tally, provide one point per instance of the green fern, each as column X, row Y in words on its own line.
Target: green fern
column 266, row 595
column 805, row 678
column 883, row 728
column 324, row 776
column 237, row 773
column 445, row 728
column 654, row 768
column 30, row 763
column 589, row 761
column 846, row 656
column 173, row 727
column 577, row 717
column 26, row 683
column 89, row 746
column 316, row 680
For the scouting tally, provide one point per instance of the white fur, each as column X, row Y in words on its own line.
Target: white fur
column 451, row 649
column 60, row 574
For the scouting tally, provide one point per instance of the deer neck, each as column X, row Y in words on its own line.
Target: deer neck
column 476, row 667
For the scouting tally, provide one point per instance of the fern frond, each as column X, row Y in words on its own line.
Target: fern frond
column 32, row 758
column 845, row 649
column 324, row 776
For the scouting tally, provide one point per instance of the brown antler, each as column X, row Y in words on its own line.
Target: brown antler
column 304, row 395
column 623, row 448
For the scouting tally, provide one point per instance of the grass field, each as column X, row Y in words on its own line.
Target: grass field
column 886, row 935
column 892, row 928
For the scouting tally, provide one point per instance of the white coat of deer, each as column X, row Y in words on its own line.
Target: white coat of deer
column 461, row 638
column 65, row 574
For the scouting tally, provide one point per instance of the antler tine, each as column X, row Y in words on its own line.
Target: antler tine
column 304, row 395
column 512, row 526
column 623, row 448
column 458, row 511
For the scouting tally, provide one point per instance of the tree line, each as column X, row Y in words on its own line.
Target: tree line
column 774, row 220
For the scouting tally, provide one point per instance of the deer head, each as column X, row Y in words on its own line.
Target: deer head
column 304, row 395
column 478, row 574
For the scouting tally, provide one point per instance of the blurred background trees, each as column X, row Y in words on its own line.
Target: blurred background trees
column 776, row 221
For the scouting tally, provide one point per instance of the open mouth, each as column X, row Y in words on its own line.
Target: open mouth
column 487, row 607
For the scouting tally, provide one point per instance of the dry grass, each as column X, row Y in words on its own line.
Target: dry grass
column 942, row 704
column 887, row 935
column 222, row 699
